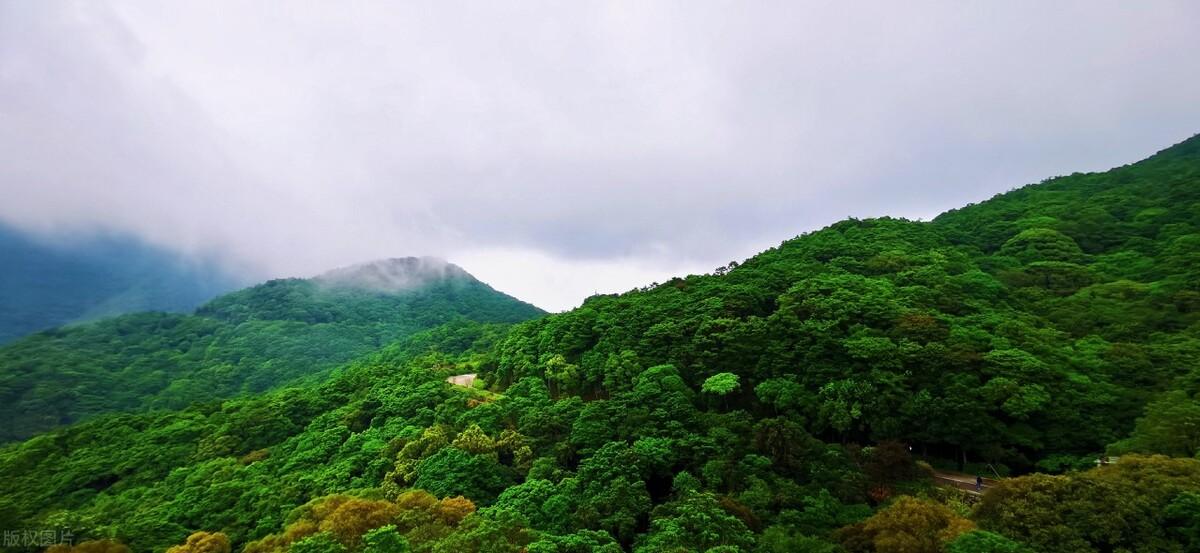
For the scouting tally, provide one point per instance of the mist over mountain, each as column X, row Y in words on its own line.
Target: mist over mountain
column 393, row 291
column 247, row 341
column 46, row 282
column 393, row 275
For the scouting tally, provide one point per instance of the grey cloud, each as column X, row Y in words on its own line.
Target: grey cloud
column 675, row 134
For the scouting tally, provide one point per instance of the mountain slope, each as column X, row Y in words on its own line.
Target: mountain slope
column 1035, row 323
column 244, row 342
column 45, row 284
column 766, row 407
column 1134, row 207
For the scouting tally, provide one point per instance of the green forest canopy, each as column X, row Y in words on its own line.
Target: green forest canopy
column 770, row 406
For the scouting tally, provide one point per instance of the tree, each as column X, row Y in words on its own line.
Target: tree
column 782, row 539
column 474, row 440
column 1042, row 244
column 91, row 546
column 323, row 542
column 1171, row 426
column 787, row 444
column 620, row 370
column 583, row 541
column 384, row 539
column 452, row 471
column 982, row 541
column 563, row 377
column 1112, row 508
column 785, row 395
column 720, row 384
column 490, row 531
column 610, row 492
column 203, row 542
column 540, row 502
column 890, row 462
column 354, row 517
column 1183, row 520
column 697, row 522
column 1030, row 509
column 911, row 525
column 844, row 402
column 821, row 514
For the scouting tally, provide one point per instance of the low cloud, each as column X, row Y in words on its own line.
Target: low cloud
column 556, row 149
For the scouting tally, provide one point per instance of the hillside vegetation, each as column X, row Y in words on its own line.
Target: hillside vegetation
column 776, row 405
column 243, row 342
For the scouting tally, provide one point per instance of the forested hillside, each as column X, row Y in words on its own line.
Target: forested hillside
column 45, row 284
column 777, row 405
column 244, row 342
column 1027, row 328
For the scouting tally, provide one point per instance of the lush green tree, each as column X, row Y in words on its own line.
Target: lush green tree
column 1182, row 517
column 821, row 514
column 540, row 502
column 844, row 403
column 785, row 395
column 452, row 471
column 318, row 543
column 982, row 541
column 610, row 492
column 583, row 541
column 494, row 531
column 695, row 522
column 1171, row 426
column 720, row 384
column 1042, row 244
column 781, row 539
column 384, row 539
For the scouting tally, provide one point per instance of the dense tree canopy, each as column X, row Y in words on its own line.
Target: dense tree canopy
column 779, row 404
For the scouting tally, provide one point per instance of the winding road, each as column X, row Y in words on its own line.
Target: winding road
column 964, row 482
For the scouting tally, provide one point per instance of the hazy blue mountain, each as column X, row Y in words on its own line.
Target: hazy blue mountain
column 45, row 283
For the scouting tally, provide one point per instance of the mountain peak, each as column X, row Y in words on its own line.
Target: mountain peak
column 394, row 274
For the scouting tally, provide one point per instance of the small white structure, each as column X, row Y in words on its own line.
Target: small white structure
column 467, row 380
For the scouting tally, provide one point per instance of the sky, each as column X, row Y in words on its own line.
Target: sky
column 559, row 149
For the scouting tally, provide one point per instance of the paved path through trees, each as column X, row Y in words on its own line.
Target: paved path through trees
column 961, row 481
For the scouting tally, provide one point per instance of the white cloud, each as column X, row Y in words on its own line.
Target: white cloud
column 602, row 143
column 557, row 284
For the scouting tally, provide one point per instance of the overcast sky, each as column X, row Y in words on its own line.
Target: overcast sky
column 562, row 148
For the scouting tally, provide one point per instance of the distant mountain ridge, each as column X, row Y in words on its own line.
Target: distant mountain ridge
column 44, row 284
column 246, row 341
column 391, row 290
